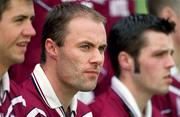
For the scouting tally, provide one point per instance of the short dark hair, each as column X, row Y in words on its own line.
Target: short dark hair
column 56, row 22
column 4, row 4
column 127, row 35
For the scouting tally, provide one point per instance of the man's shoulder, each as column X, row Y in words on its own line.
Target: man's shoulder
column 13, row 103
column 108, row 103
column 30, row 92
column 166, row 104
column 106, row 98
column 35, row 105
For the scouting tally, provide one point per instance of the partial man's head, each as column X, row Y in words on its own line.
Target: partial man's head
column 16, row 30
column 168, row 9
column 74, row 38
column 141, row 46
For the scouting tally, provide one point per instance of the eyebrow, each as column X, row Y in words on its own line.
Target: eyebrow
column 93, row 45
column 23, row 17
column 164, row 51
column 103, row 46
column 87, row 42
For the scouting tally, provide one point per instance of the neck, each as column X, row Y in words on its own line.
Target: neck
column 142, row 103
column 3, row 69
column 63, row 92
column 141, row 96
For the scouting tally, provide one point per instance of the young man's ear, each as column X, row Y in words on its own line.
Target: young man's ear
column 125, row 61
column 51, row 48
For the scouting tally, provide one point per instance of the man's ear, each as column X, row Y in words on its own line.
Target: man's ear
column 51, row 48
column 125, row 61
column 168, row 13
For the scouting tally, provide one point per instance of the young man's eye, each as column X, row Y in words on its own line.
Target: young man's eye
column 172, row 52
column 19, row 20
column 101, row 50
column 160, row 54
column 87, row 47
column 32, row 18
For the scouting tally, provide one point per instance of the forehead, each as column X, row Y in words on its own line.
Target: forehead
column 13, row 3
column 84, row 21
column 158, row 40
column 19, row 7
column 18, row 4
column 86, row 28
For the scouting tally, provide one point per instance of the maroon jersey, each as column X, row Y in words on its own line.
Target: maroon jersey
column 42, row 101
column 169, row 104
column 11, row 102
column 119, row 102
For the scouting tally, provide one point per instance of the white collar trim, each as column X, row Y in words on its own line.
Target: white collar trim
column 175, row 73
column 5, row 86
column 47, row 92
column 123, row 92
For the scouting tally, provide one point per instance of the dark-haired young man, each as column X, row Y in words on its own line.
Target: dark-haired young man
column 169, row 104
column 140, row 49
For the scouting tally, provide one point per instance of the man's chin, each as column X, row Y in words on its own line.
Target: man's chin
column 88, row 89
column 164, row 91
column 19, row 60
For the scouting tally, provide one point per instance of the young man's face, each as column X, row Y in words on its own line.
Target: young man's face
column 81, row 57
column 16, row 31
column 155, row 61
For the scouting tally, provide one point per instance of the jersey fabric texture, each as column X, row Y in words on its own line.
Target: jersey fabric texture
column 11, row 102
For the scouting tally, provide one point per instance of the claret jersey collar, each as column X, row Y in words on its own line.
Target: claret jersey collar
column 47, row 92
column 124, row 93
column 4, row 87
